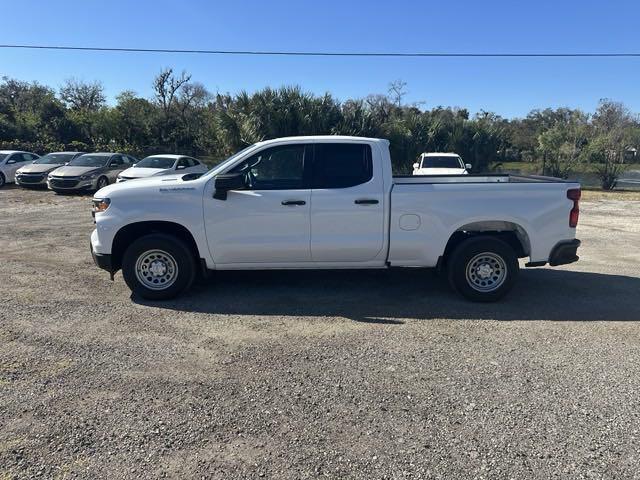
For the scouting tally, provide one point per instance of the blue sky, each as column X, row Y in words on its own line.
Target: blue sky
column 510, row 87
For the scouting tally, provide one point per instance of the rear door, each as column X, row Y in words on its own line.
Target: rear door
column 267, row 222
column 347, row 204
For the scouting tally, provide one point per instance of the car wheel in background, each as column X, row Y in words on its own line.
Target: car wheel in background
column 483, row 268
column 102, row 182
column 158, row 267
column 2, row 180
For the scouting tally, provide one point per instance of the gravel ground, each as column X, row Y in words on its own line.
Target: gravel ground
column 376, row 374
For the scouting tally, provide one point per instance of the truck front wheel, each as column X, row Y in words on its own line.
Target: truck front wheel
column 483, row 268
column 158, row 267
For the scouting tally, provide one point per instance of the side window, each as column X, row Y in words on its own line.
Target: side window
column 275, row 168
column 193, row 162
column 341, row 165
column 116, row 161
column 128, row 160
column 183, row 163
column 26, row 157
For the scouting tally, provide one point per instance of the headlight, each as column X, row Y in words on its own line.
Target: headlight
column 100, row 204
column 88, row 176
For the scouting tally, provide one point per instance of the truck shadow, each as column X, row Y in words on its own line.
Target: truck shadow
column 395, row 296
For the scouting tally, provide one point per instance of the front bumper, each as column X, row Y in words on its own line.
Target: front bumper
column 102, row 260
column 31, row 180
column 71, row 184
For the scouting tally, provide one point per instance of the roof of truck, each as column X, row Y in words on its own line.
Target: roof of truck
column 316, row 138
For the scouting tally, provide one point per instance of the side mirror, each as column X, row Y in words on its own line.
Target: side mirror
column 181, row 167
column 468, row 166
column 11, row 162
column 229, row 181
column 66, row 163
column 134, row 165
column 416, row 166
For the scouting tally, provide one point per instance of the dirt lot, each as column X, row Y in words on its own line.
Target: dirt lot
column 318, row 374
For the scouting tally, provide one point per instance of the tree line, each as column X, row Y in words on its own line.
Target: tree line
column 184, row 117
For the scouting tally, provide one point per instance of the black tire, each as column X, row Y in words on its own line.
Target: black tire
column 498, row 261
column 101, row 183
column 3, row 180
column 166, row 244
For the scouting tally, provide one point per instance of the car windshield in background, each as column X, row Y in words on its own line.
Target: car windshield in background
column 90, row 161
column 55, row 158
column 441, row 162
column 156, row 162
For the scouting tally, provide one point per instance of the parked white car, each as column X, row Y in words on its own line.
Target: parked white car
column 331, row 202
column 35, row 174
column 162, row 165
column 440, row 164
column 11, row 161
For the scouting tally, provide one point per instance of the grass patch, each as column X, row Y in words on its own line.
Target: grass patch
column 589, row 194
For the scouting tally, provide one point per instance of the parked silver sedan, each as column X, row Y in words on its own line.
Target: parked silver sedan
column 35, row 174
column 89, row 172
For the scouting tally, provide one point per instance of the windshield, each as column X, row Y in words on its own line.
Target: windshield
column 441, row 162
column 55, row 158
column 90, row 161
column 156, row 162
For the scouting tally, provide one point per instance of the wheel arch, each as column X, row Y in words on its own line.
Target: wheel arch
column 131, row 232
column 512, row 233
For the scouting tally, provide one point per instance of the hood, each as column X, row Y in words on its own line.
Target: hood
column 152, row 183
column 38, row 168
column 142, row 172
column 439, row 171
column 71, row 171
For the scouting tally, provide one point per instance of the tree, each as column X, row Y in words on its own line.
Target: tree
column 613, row 126
column 397, row 90
column 562, row 144
column 81, row 96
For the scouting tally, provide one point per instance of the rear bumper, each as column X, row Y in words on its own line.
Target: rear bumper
column 564, row 252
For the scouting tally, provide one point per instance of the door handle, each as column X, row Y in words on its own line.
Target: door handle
column 366, row 201
column 294, row 202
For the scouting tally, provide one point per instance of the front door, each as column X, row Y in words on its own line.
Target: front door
column 267, row 222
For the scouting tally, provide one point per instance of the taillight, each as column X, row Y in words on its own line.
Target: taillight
column 574, row 194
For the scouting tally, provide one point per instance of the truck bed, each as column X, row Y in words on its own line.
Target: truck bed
column 475, row 178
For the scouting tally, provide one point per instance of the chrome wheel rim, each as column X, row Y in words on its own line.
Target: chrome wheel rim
column 156, row 269
column 102, row 183
column 486, row 272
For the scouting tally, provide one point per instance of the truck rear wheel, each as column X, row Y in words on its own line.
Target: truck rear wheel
column 158, row 267
column 483, row 268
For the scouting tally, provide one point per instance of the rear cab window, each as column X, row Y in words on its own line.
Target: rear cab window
column 341, row 165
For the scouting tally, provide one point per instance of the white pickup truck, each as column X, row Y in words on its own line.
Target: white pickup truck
column 331, row 202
